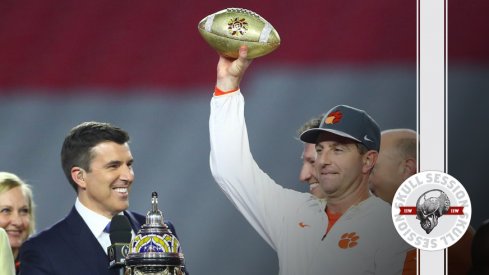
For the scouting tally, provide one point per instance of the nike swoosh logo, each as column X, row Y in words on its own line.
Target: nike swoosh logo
column 303, row 225
column 366, row 138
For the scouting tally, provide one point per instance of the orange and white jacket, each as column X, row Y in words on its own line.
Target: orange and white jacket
column 362, row 241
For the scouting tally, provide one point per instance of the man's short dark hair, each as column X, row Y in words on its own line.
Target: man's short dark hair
column 78, row 144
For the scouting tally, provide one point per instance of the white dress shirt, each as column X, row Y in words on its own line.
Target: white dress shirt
column 96, row 223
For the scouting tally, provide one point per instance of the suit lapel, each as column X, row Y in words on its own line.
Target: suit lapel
column 85, row 245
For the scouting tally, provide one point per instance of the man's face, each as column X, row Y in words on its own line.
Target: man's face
column 339, row 165
column 308, row 170
column 387, row 174
column 105, row 188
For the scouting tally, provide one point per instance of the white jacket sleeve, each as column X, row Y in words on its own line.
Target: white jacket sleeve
column 6, row 258
column 262, row 202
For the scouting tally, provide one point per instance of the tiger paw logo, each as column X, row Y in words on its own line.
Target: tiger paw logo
column 333, row 117
column 348, row 240
column 237, row 26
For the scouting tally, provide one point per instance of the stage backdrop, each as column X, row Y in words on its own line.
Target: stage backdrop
column 143, row 66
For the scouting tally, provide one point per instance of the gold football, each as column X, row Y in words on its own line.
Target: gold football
column 228, row 29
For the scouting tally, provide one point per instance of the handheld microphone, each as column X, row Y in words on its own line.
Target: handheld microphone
column 120, row 237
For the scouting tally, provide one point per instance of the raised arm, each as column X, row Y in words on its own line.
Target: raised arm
column 261, row 201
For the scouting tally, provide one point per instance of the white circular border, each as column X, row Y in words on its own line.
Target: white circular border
column 421, row 240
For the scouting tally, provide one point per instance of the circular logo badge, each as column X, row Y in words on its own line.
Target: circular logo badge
column 431, row 210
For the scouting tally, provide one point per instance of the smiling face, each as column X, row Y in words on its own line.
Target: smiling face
column 308, row 170
column 105, row 187
column 341, row 169
column 15, row 216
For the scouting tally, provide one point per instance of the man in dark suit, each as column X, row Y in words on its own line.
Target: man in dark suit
column 97, row 161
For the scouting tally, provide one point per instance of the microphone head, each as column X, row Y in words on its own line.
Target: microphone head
column 120, row 230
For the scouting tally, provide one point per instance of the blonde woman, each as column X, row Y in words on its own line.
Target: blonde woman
column 16, row 211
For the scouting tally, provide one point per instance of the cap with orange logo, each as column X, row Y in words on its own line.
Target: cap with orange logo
column 349, row 122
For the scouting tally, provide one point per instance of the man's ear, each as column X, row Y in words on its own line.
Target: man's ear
column 409, row 167
column 369, row 160
column 78, row 176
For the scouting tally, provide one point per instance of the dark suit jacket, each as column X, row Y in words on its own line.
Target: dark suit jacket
column 69, row 247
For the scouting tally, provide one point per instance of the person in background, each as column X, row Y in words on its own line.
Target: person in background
column 308, row 170
column 480, row 250
column 6, row 257
column 16, row 211
column 398, row 161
